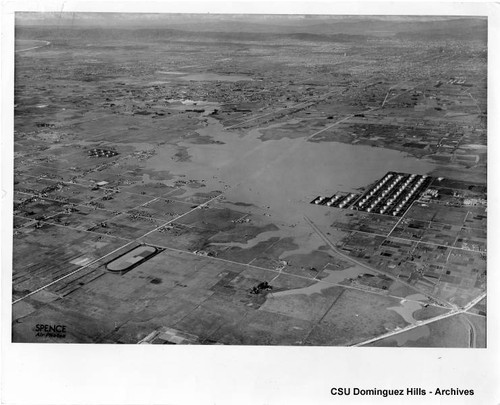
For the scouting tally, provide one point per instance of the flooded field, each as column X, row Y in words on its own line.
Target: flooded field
column 261, row 237
column 334, row 277
column 283, row 174
column 407, row 309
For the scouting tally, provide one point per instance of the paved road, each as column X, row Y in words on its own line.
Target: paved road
column 472, row 331
column 352, row 260
column 116, row 250
column 454, row 311
column 428, row 321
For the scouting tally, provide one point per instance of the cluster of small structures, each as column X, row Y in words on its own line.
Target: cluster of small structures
column 336, row 200
column 98, row 152
column 392, row 195
column 77, row 219
column 438, row 244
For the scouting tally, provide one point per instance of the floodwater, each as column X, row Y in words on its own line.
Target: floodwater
column 282, row 175
column 409, row 305
column 260, row 131
column 261, row 237
column 309, row 242
column 337, row 276
column 407, row 309
column 334, row 277
column 417, row 297
column 306, row 240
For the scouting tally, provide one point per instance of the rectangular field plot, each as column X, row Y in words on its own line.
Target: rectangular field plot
column 135, row 128
column 310, row 302
column 192, row 196
column 38, row 208
column 397, row 247
column 237, row 288
column 38, row 259
column 465, row 263
column 32, row 185
column 127, row 226
column 460, row 185
column 476, row 218
column 170, row 289
column 74, row 160
column 394, row 256
column 365, row 222
column 313, row 264
column 147, row 189
column 49, row 173
column 448, row 332
column 76, row 193
column 464, row 277
column 180, row 237
column 115, row 176
column 212, row 218
column 245, row 254
column 450, row 215
column 430, row 255
column 162, row 208
column 19, row 222
column 263, row 328
column 354, row 317
column 472, row 239
column 441, row 234
column 83, row 218
column 292, row 191
column 410, row 229
column 437, row 213
column 170, row 269
column 213, row 314
column 362, row 245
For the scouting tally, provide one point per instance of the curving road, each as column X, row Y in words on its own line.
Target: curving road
column 453, row 312
column 366, row 266
column 454, row 309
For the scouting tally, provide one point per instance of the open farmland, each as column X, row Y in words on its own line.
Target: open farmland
column 315, row 181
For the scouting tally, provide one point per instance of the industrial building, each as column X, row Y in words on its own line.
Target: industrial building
column 392, row 195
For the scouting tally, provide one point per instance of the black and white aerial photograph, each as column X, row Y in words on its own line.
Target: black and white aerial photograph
column 279, row 198
column 250, row 180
